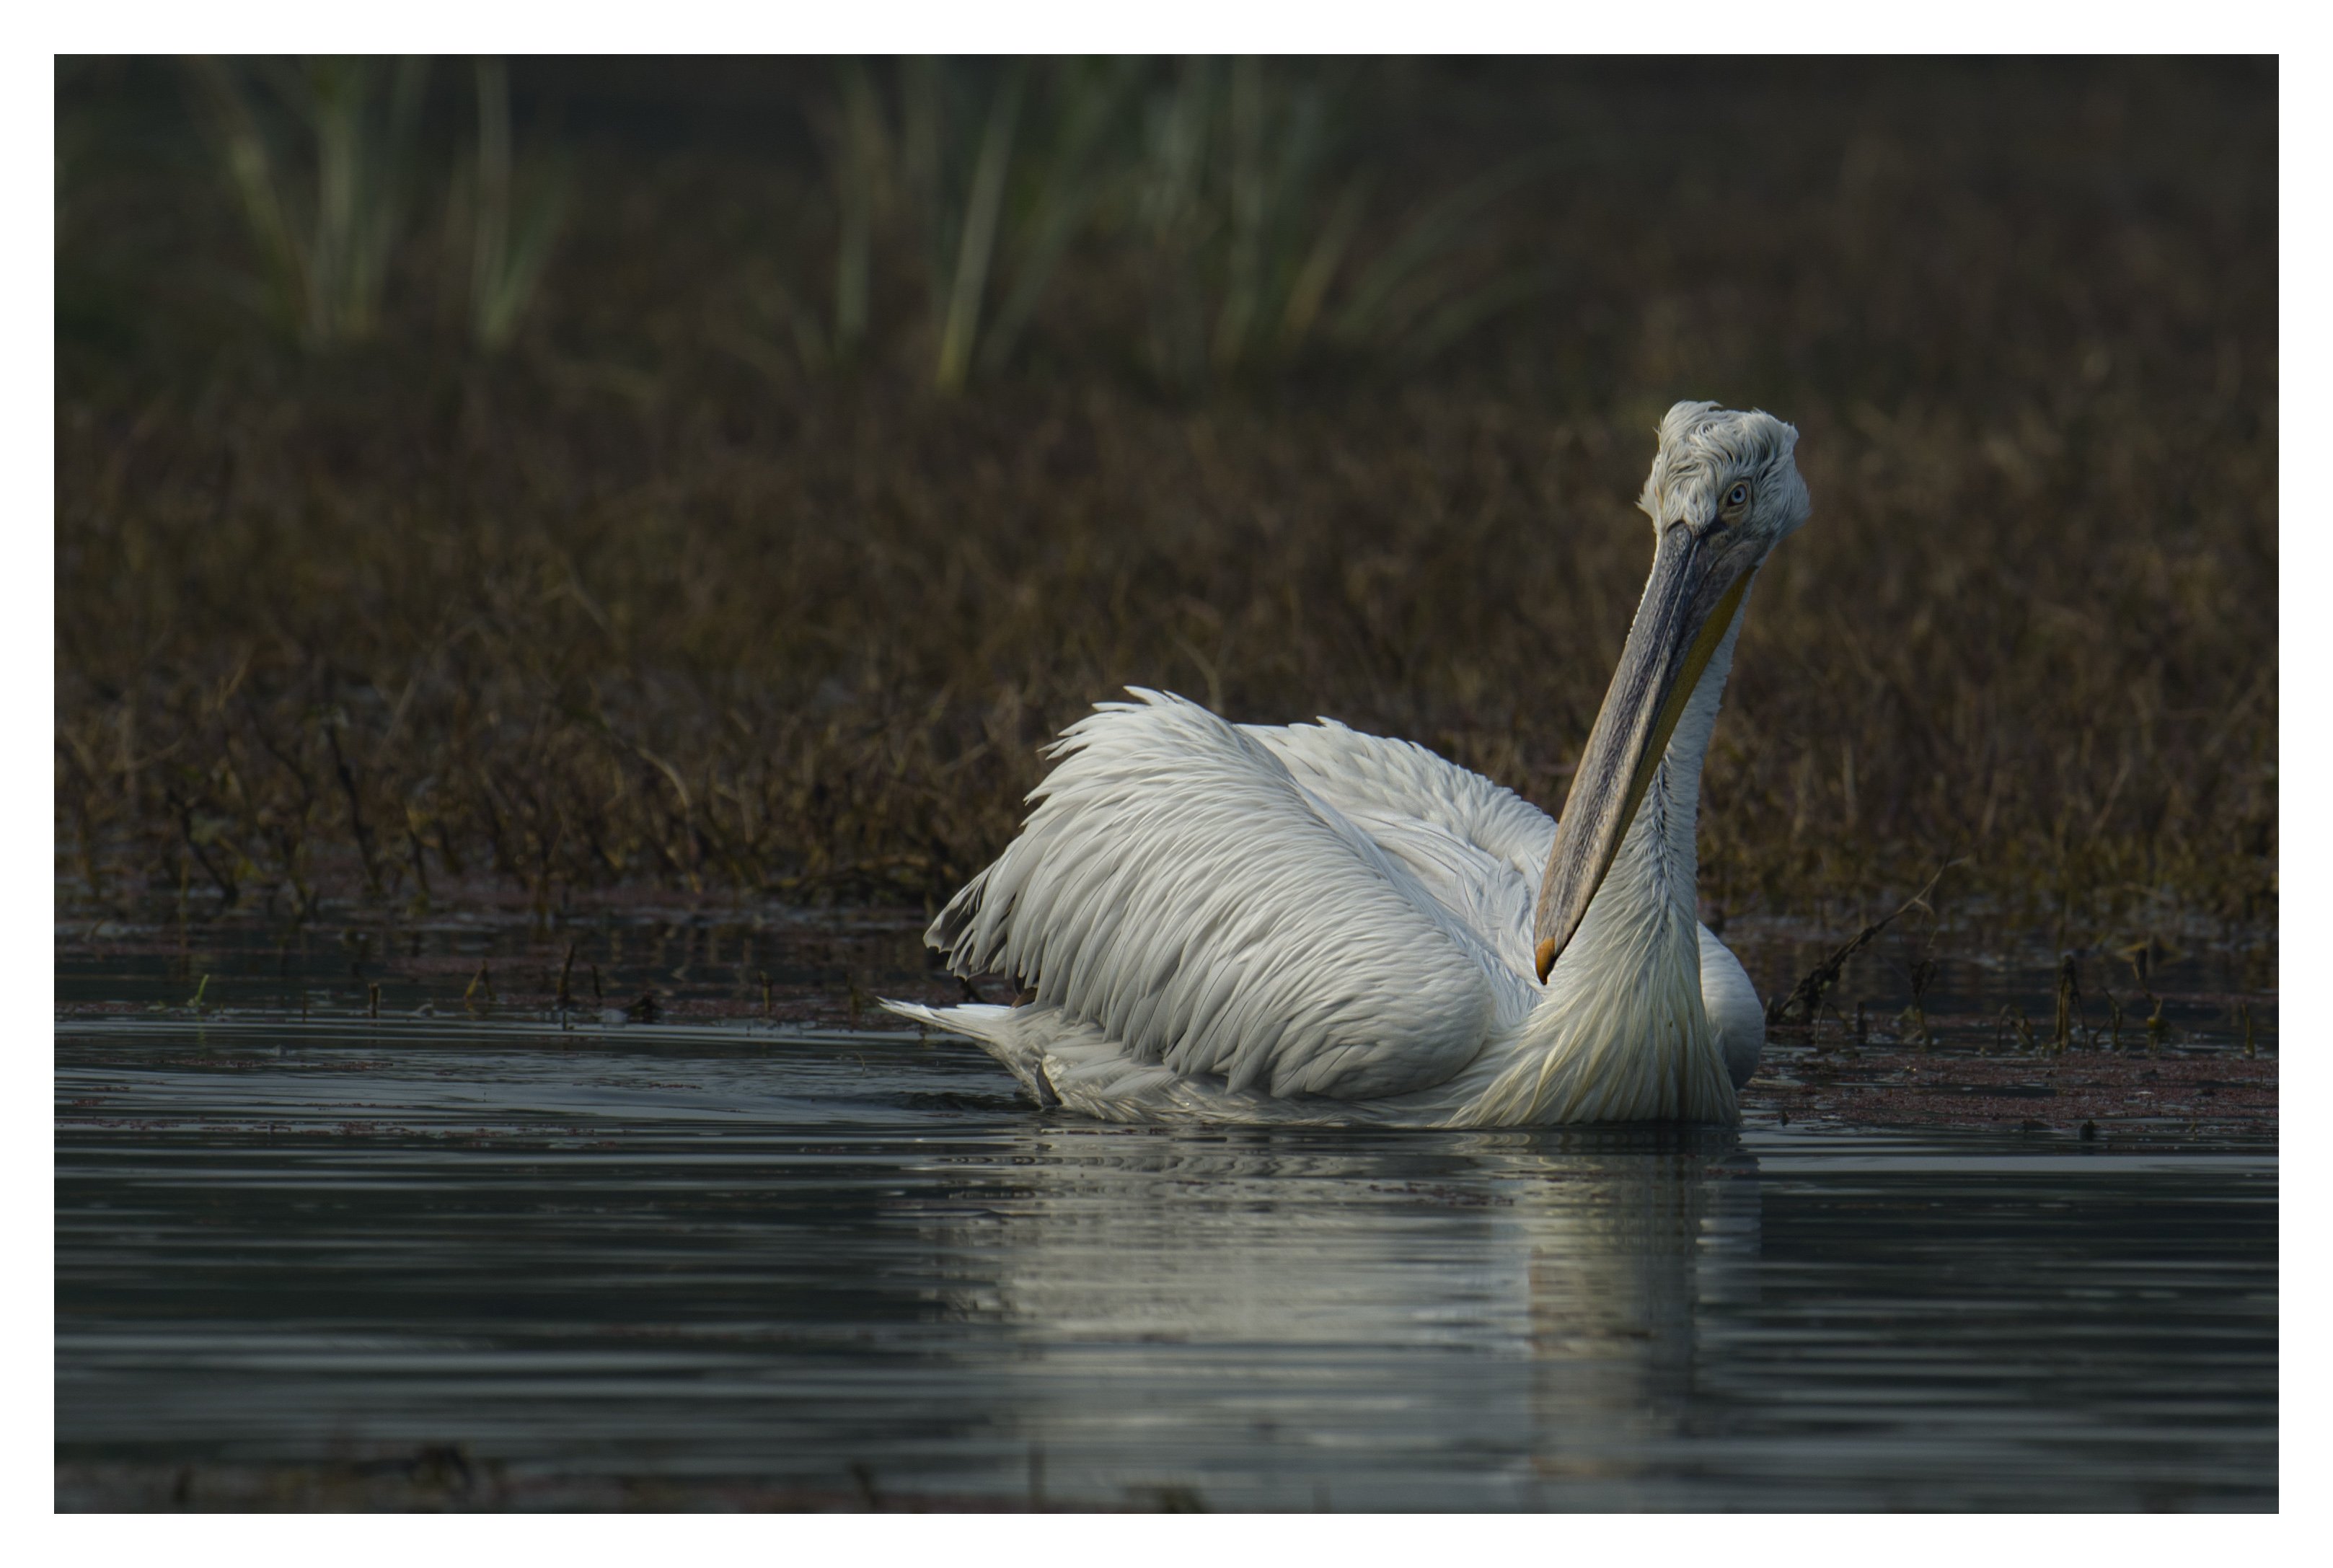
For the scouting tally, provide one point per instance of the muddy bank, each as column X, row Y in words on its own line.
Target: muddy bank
column 2086, row 1095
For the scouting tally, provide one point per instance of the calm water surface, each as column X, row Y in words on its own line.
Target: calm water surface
column 852, row 1258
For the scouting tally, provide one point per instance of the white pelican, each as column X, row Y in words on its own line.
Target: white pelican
column 1307, row 925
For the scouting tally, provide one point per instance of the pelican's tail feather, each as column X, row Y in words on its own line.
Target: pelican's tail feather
column 996, row 1030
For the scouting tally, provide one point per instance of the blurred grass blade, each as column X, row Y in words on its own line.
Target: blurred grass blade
column 1176, row 221
column 490, row 246
column 330, row 252
column 1320, row 263
column 1370, row 310
column 530, row 253
column 923, row 111
column 1243, row 266
column 859, row 171
column 1093, row 96
column 361, row 155
column 507, row 257
column 977, row 250
column 252, row 172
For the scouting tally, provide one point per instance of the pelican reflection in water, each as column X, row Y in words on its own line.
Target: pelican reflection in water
column 1500, row 1314
column 1307, row 925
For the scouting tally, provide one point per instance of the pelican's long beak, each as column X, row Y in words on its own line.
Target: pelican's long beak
column 1694, row 591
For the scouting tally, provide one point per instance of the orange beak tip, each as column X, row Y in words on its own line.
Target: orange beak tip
column 1546, row 957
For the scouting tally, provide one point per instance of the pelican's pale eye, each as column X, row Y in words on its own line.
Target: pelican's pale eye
column 1738, row 496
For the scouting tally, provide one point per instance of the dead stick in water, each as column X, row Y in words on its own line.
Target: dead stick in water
column 1808, row 993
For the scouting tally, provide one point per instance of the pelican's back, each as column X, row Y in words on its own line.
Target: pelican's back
column 1179, row 892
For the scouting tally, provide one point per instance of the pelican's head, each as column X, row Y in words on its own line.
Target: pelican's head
column 1722, row 470
column 1724, row 491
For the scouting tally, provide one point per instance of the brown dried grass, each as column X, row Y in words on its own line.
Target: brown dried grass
column 629, row 606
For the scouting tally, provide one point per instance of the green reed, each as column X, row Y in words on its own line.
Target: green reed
column 318, row 154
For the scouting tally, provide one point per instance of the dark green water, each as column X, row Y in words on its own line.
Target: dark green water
column 841, row 1260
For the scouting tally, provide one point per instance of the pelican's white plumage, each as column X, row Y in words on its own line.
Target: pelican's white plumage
column 1310, row 925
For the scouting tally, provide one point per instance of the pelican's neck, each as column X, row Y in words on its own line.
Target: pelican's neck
column 1648, row 899
column 1620, row 1033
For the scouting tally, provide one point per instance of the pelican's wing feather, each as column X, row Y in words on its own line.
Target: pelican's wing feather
column 1477, row 846
column 1180, row 890
column 1373, row 776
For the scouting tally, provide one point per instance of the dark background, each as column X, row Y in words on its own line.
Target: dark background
column 521, row 515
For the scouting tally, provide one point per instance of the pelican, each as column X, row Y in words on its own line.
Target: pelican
column 1305, row 925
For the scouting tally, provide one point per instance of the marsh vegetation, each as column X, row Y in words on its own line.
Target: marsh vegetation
column 503, row 481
